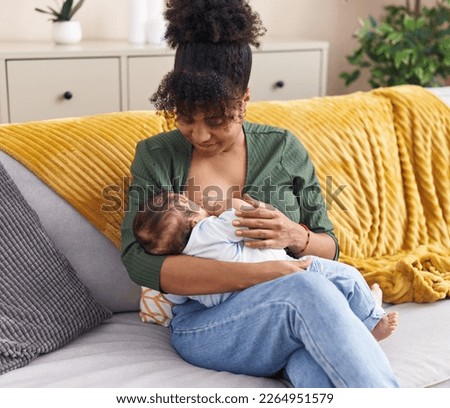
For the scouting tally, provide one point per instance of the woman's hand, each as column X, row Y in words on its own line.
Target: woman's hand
column 277, row 269
column 269, row 227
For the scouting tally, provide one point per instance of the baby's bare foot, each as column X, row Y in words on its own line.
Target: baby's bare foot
column 385, row 326
column 388, row 323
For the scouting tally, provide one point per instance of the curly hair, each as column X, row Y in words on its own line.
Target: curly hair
column 213, row 57
column 212, row 21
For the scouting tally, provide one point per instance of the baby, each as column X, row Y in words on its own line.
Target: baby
column 172, row 224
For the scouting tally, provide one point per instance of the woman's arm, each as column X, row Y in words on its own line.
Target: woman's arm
column 187, row 275
column 319, row 244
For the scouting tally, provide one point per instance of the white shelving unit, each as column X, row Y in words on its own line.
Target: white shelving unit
column 43, row 81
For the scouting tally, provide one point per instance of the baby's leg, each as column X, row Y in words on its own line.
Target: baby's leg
column 353, row 286
column 387, row 323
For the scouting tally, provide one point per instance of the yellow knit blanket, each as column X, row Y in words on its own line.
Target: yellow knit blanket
column 382, row 158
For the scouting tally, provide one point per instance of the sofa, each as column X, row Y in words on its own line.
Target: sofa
column 364, row 146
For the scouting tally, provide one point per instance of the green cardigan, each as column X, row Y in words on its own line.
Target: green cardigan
column 276, row 160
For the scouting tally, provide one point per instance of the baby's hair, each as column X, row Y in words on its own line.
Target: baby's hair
column 162, row 225
column 213, row 57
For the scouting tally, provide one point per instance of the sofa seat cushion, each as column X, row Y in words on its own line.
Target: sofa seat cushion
column 419, row 350
column 123, row 352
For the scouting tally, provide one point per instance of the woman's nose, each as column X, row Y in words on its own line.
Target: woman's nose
column 200, row 134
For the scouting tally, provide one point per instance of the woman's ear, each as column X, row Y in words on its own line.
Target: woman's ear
column 193, row 223
column 245, row 100
column 247, row 95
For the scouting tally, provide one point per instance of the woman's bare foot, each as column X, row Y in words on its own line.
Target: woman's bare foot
column 388, row 323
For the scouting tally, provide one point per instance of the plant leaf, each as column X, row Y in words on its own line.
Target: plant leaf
column 355, row 58
column 395, row 37
column 350, row 78
column 54, row 12
column 404, row 47
column 66, row 9
column 76, row 8
column 41, row 11
column 401, row 57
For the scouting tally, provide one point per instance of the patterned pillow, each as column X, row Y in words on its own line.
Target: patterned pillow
column 43, row 304
column 155, row 308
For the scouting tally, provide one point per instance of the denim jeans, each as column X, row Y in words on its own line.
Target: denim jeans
column 353, row 286
column 301, row 323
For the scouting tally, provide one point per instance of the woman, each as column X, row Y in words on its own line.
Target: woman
column 284, row 319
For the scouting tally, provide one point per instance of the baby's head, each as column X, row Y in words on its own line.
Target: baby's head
column 163, row 225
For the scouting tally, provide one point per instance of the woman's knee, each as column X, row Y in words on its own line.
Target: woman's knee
column 331, row 268
column 304, row 287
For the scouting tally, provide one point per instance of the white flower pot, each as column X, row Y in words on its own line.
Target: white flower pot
column 66, row 32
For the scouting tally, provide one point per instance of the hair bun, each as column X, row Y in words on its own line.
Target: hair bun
column 212, row 21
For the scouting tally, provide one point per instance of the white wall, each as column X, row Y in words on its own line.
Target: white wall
column 334, row 21
column 331, row 20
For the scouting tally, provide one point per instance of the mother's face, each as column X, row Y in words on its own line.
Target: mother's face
column 210, row 135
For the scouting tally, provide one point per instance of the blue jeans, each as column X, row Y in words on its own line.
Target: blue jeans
column 353, row 286
column 301, row 323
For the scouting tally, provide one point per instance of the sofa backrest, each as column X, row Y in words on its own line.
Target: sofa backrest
column 362, row 144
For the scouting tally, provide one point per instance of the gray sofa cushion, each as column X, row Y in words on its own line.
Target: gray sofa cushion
column 94, row 257
column 140, row 355
column 419, row 350
column 123, row 352
column 43, row 305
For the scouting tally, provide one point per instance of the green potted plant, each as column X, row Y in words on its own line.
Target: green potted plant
column 64, row 29
column 410, row 45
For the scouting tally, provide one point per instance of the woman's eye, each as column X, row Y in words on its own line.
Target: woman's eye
column 214, row 123
column 186, row 120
